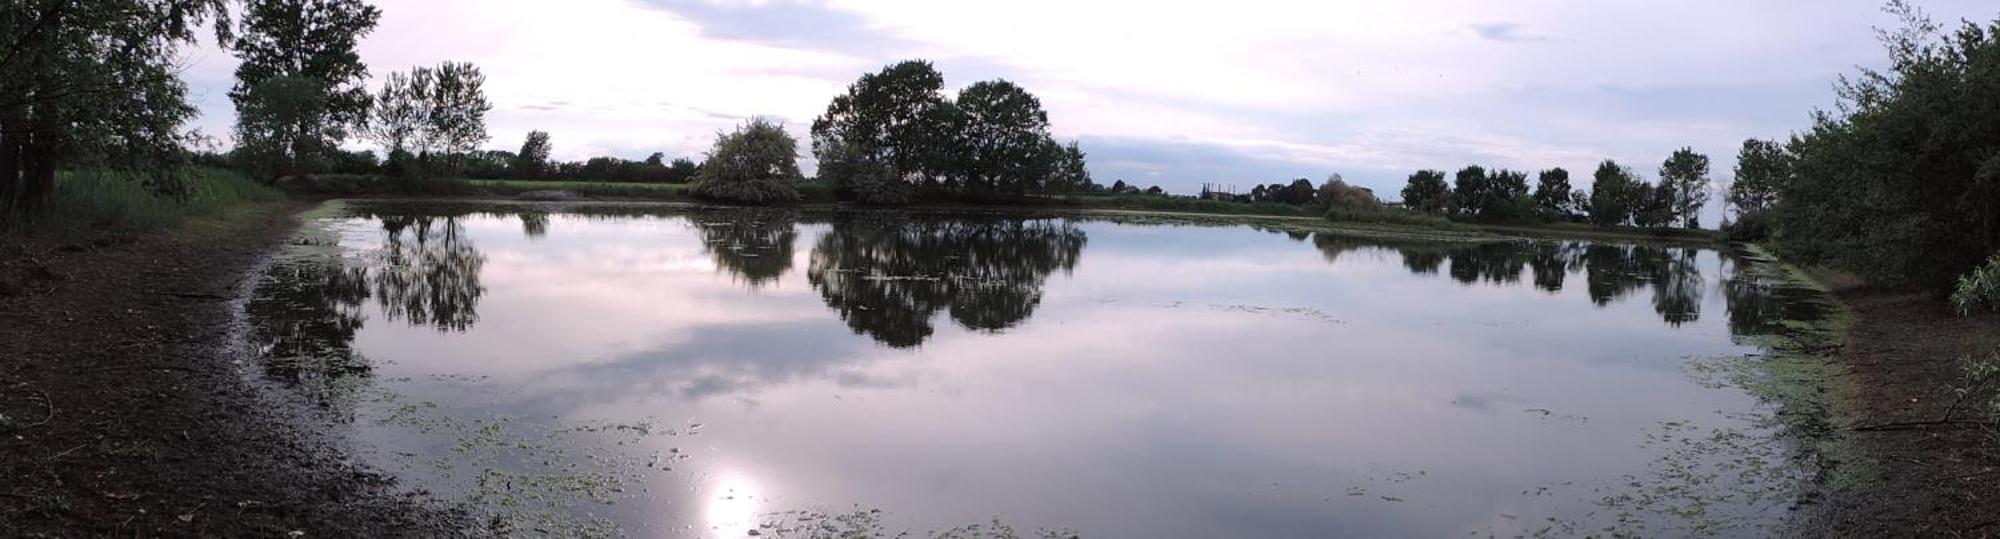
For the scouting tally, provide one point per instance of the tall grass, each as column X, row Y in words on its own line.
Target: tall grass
column 95, row 202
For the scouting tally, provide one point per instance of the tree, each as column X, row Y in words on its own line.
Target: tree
column 1427, row 192
column 1684, row 182
column 756, row 164
column 303, row 40
column 439, row 113
column 1470, row 189
column 1552, row 193
column 533, row 159
column 1119, row 187
column 1614, row 190
column 895, row 122
column 1338, row 195
column 1068, row 172
column 276, row 127
column 1506, row 198
column 1901, row 183
column 62, row 63
column 1761, row 166
column 1002, row 140
column 398, row 114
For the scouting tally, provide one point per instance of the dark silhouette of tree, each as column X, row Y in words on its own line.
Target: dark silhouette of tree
column 1427, row 192
column 1552, row 194
column 888, row 276
column 756, row 164
column 1684, row 186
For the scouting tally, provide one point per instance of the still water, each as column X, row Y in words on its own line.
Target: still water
column 678, row 372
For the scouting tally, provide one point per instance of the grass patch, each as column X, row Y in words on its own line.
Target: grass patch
column 108, row 203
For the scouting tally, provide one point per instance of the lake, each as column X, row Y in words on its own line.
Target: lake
column 663, row 371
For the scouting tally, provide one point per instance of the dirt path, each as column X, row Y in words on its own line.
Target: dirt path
column 1914, row 476
column 125, row 416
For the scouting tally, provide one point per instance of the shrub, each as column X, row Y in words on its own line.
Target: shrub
column 1749, row 227
column 756, row 164
column 1394, row 216
column 1979, row 288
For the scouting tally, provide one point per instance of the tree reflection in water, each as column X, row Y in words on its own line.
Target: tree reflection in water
column 753, row 245
column 304, row 314
column 888, row 275
column 428, row 273
column 1610, row 271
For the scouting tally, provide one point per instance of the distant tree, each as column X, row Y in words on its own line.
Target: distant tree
column 1427, row 192
column 1155, row 191
column 756, row 164
column 457, row 112
column 1552, row 193
column 1614, row 192
column 533, row 159
column 1337, row 194
column 1470, row 189
column 1298, row 193
column 309, row 42
column 1684, row 182
column 1761, row 166
column 682, row 170
column 1119, row 187
column 1506, row 198
column 1654, row 205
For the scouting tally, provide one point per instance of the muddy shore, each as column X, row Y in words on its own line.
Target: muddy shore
column 126, row 413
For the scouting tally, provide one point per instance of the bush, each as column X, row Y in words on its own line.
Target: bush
column 107, row 201
column 1978, row 289
column 1749, row 227
column 756, row 164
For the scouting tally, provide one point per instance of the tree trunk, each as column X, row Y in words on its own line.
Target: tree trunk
column 10, row 171
column 38, row 180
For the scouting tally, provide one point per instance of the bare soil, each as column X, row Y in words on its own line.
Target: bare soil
column 1921, row 463
column 127, row 414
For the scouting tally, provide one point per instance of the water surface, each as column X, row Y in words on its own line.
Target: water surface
column 661, row 371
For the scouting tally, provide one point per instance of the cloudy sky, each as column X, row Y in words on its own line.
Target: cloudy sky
column 1168, row 93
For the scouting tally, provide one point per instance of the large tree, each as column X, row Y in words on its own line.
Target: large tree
column 93, row 80
column 1684, row 180
column 895, row 123
column 1427, row 192
column 1761, row 166
column 304, row 40
column 441, row 114
column 1002, row 140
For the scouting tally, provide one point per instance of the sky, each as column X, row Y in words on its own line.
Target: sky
column 1174, row 94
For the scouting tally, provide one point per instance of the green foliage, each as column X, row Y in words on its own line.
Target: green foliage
column 1338, row 195
column 1616, row 194
column 1552, row 194
column 1901, row 184
column 1979, row 288
column 292, row 51
column 110, row 201
column 280, row 128
column 1003, row 134
column 896, row 118
column 756, row 164
column 1392, row 216
column 1749, row 226
column 61, row 63
column 438, row 114
column 1683, row 188
column 1761, row 166
column 1427, row 192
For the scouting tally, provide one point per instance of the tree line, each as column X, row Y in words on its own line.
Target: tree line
column 1900, row 183
column 1618, row 195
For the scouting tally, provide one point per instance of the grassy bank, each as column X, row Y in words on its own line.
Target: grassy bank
column 88, row 205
